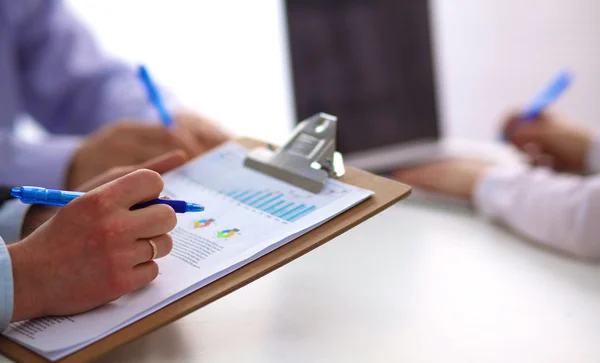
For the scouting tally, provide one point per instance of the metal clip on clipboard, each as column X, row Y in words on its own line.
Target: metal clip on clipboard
column 307, row 160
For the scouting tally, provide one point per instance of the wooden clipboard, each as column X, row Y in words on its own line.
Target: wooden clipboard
column 387, row 193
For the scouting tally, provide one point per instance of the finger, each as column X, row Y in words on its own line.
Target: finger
column 527, row 134
column 544, row 160
column 143, row 250
column 158, row 140
column 166, row 162
column 141, row 152
column 510, row 127
column 207, row 132
column 154, row 134
column 417, row 176
column 136, row 187
column 532, row 148
column 105, row 177
column 143, row 274
column 184, row 138
column 514, row 121
column 154, row 220
column 160, row 164
column 510, row 122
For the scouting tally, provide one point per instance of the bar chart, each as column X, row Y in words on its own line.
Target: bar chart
column 223, row 172
column 274, row 203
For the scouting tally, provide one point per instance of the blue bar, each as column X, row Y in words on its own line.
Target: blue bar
column 269, row 202
column 276, row 213
column 253, row 204
column 302, row 214
column 292, row 211
column 239, row 196
column 274, row 206
column 231, row 194
column 250, row 197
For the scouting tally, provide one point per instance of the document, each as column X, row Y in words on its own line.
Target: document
column 247, row 215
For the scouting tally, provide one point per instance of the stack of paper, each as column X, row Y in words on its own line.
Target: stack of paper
column 248, row 214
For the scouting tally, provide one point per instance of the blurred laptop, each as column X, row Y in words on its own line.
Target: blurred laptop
column 370, row 62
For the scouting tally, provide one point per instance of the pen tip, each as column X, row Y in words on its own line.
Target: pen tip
column 193, row 207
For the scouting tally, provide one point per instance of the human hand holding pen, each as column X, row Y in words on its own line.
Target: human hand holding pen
column 131, row 142
column 93, row 250
column 123, row 144
column 40, row 214
column 198, row 130
column 550, row 140
column 545, row 139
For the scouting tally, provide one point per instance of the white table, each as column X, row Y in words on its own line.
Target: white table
column 415, row 284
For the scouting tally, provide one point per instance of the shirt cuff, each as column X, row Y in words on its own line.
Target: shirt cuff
column 6, row 287
column 592, row 159
column 44, row 163
column 12, row 215
column 488, row 198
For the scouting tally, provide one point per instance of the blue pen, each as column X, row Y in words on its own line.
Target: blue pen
column 547, row 96
column 59, row 198
column 154, row 96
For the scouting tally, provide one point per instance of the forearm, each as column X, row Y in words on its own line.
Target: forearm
column 556, row 210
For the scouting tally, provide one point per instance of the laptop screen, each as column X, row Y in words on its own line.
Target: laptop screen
column 368, row 62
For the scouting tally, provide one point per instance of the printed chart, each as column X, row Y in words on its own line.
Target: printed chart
column 223, row 173
column 274, row 203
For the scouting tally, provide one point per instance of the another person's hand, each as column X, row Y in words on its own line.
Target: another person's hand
column 122, row 144
column 93, row 250
column 130, row 143
column 457, row 178
column 40, row 214
column 200, row 130
column 550, row 140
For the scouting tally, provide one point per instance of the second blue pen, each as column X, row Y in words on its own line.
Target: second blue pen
column 154, row 96
column 60, row 198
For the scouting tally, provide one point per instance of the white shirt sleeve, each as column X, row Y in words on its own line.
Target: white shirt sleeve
column 557, row 210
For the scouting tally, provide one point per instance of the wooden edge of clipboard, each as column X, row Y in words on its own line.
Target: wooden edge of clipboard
column 387, row 193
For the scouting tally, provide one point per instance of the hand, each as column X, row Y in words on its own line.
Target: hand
column 550, row 140
column 40, row 214
column 93, row 250
column 125, row 143
column 200, row 130
column 456, row 178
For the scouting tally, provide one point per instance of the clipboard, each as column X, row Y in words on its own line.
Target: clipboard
column 387, row 193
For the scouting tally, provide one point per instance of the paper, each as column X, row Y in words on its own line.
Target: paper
column 248, row 214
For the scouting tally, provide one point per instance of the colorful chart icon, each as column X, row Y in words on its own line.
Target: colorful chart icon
column 201, row 223
column 227, row 233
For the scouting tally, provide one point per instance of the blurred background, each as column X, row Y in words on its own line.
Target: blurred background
column 229, row 58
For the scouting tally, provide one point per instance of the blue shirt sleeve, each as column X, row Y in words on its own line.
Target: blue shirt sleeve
column 36, row 163
column 12, row 215
column 6, row 287
column 67, row 83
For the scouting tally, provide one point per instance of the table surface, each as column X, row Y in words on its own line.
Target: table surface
column 418, row 283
